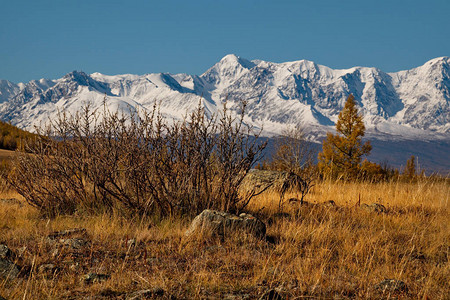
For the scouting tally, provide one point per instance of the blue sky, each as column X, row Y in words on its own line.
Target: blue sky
column 51, row 38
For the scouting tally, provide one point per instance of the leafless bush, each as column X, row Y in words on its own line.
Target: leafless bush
column 138, row 163
column 295, row 156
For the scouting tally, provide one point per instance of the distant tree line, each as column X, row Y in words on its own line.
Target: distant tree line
column 343, row 155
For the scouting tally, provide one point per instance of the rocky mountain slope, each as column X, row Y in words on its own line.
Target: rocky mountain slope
column 406, row 105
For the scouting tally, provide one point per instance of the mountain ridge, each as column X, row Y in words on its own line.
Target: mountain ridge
column 278, row 94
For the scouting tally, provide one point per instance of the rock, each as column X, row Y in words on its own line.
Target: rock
column 214, row 248
column 11, row 201
column 261, row 180
column 5, row 252
column 74, row 266
column 110, row 294
column 236, row 296
column 131, row 243
column 94, row 278
column 8, row 269
column 391, row 286
column 66, row 233
column 75, row 243
column 144, row 294
column 153, row 260
column 374, row 207
column 47, row 268
column 221, row 223
column 72, row 243
column 271, row 295
column 72, row 238
column 329, row 203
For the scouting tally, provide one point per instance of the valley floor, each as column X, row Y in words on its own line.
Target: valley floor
column 311, row 251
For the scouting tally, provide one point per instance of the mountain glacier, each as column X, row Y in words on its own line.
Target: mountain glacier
column 406, row 105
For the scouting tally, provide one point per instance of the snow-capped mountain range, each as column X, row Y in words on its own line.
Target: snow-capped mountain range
column 406, row 105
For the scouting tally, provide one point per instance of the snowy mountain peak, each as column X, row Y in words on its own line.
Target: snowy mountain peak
column 278, row 94
column 7, row 90
column 438, row 60
column 227, row 70
column 79, row 78
column 232, row 60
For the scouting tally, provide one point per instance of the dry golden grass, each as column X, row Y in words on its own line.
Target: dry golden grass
column 314, row 251
column 6, row 154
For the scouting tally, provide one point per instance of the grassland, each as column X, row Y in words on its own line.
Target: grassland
column 6, row 154
column 312, row 251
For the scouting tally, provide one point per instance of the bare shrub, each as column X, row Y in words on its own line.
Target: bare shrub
column 138, row 163
column 295, row 156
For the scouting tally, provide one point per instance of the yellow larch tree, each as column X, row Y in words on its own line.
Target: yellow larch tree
column 342, row 152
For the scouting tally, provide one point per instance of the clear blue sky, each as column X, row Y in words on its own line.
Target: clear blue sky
column 43, row 38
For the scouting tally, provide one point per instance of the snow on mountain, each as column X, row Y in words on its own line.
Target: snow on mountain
column 407, row 104
column 7, row 90
column 425, row 92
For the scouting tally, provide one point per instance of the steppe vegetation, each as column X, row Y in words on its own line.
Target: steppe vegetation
column 101, row 212
column 312, row 251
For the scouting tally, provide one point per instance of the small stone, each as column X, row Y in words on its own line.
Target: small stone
column 153, row 260
column 131, row 243
column 55, row 252
column 374, row 207
column 8, row 269
column 391, row 286
column 47, row 268
column 72, row 238
column 271, row 295
column 74, row 243
column 74, row 266
column 144, row 294
column 329, row 203
column 5, row 252
column 11, row 201
column 67, row 233
column 236, row 296
column 94, row 278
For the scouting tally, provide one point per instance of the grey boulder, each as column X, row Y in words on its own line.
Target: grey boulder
column 222, row 224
